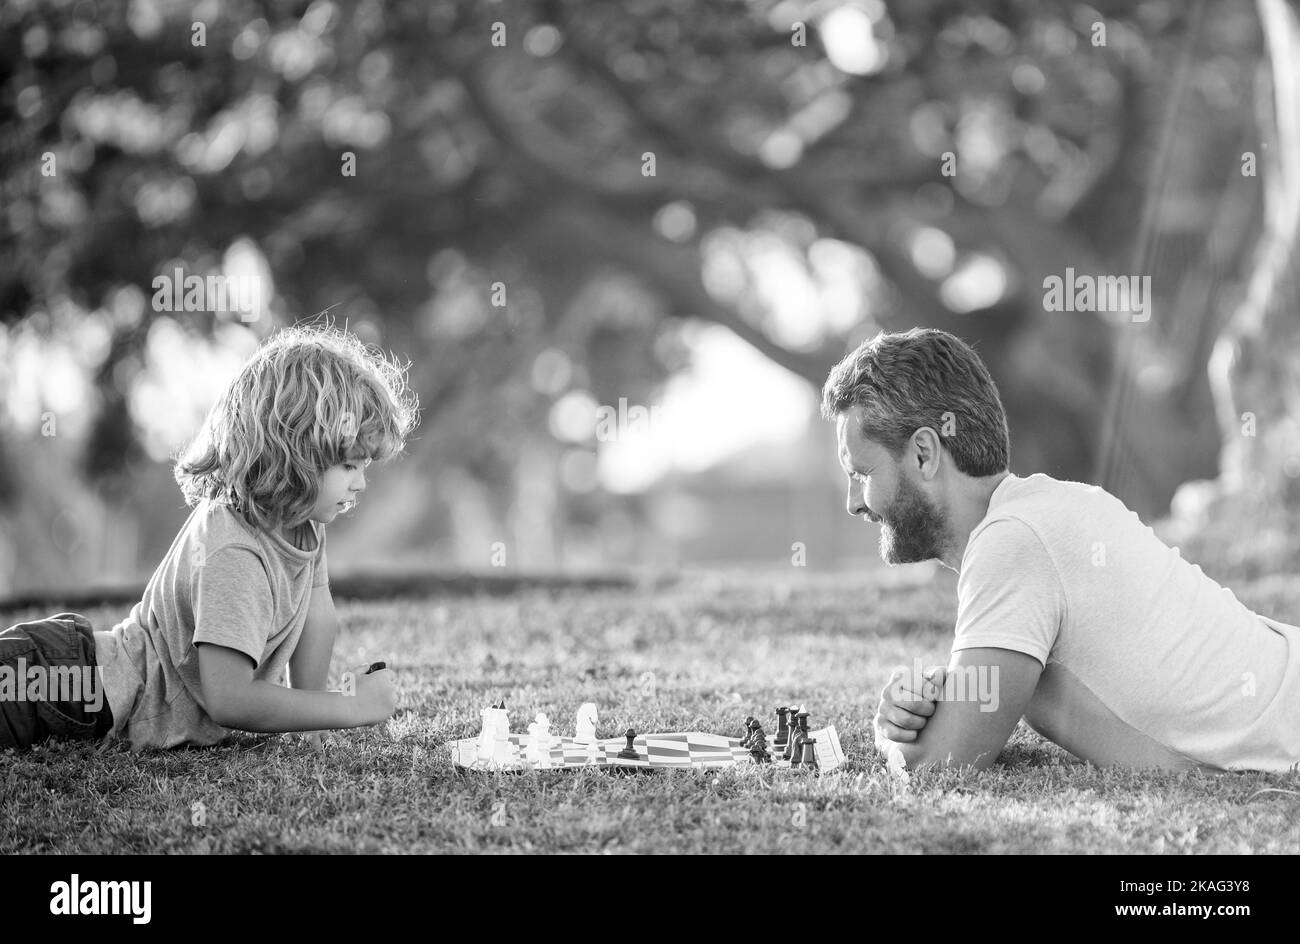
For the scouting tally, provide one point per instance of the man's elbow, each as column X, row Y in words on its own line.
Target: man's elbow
column 918, row 756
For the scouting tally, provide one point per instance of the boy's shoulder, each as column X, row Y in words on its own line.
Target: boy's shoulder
column 218, row 526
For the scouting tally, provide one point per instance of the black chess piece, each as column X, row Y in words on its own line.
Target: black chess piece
column 795, row 747
column 791, row 752
column 629, row 752
column 758, row 744
column 808, row 758
column 782, row 736
column 748, row 729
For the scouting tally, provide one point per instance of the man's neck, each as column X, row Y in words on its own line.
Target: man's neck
column 968, row 509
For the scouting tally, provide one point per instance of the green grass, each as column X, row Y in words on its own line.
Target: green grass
column 698, row 656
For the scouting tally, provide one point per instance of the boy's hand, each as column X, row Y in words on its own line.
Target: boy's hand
column 375, row 694
column 906, row 704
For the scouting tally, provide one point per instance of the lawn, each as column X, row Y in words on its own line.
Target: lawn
column 698, row 655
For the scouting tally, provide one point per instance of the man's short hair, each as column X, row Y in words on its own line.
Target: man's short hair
column 923, row 377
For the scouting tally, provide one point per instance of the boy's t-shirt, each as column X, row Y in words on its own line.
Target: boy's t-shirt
column 1147, row 660
column 225, row 582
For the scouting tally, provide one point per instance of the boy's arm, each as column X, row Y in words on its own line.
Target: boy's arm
column 234, row 699
column 985, row 693
column 309, row 665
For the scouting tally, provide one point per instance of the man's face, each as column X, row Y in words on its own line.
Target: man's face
column 882, row 489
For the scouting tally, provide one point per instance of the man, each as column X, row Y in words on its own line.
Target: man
column 1070, row 611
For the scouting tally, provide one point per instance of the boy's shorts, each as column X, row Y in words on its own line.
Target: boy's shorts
column 49, row 682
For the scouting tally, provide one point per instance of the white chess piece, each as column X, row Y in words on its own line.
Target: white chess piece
column 487, row 737
column 503, row 753
column 537, row 748
column 541, row 730
column 586, row 723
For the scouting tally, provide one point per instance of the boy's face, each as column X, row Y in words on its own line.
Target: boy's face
column 340, row 485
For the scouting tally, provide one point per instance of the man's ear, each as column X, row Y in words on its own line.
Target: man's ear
column 927, row 450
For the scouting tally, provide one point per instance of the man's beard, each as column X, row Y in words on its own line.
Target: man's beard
column 912, row 528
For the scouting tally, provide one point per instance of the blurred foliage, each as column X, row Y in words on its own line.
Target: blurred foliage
column 523, row 164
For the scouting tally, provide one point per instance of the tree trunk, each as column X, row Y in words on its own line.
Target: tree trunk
column 1245, row 522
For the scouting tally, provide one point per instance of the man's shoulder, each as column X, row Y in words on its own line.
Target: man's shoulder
column 1031, row 516
column 1046, row 504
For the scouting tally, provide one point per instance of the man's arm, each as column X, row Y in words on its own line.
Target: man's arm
column 985, row 693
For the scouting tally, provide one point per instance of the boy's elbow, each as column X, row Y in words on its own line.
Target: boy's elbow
column 223, row 707
column 221, row 715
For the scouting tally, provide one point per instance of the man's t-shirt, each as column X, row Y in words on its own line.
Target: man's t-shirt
column 1147, row 661
column 224, row 582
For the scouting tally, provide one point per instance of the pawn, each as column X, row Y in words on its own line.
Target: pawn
column 629, row 752
column 533, row 753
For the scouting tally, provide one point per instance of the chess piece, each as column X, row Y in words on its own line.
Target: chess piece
column 782, row 736
column 544, row 739
column 798, row 732
column 758, row 743
column 629, row 752
column 808, row 759
column 595, row 752
column 586, row 723
column 795, row 748
column 787, row 753
column 536, row 749
column 503, row 752
column 486, row 737
column 748, row 731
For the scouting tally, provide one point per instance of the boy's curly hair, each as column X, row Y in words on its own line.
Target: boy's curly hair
column 311, row 397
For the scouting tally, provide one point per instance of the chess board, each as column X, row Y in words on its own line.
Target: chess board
column 689, row 749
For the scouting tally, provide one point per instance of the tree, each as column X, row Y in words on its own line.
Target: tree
column 1247, row 518
column 524, row 164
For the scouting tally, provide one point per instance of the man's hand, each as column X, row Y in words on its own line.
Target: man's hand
column 976, row 703
column 906, row 704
